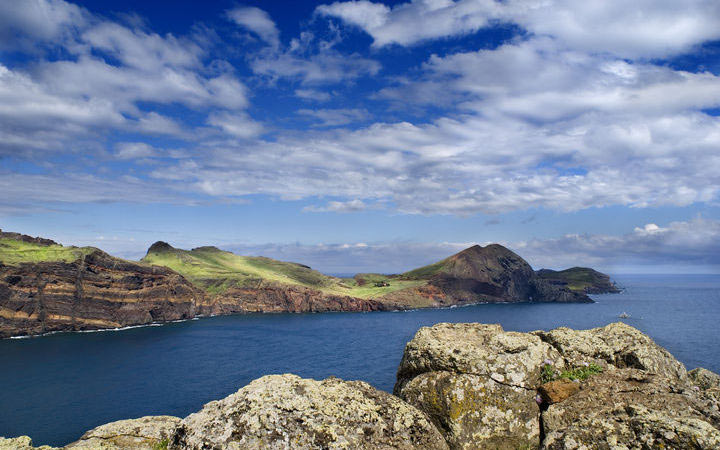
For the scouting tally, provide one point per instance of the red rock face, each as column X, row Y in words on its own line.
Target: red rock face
column 276, row 299
column 95, row 292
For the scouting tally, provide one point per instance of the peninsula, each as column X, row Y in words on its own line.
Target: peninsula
column 47, row 287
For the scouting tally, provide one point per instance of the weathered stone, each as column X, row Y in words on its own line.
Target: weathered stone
column 558, row 390
column 145, row 433
column 476, row 382
column 479, row 349
column 632, row 409
column 286, row 411
column 475, row 411
column 21, row 443
column 616, row 345
column 704, row 378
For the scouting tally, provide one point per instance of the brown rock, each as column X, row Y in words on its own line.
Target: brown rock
column 94, row 292
column 558, row 390
column 629, row 408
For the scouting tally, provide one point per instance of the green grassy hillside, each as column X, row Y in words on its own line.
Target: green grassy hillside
column 216, row 270
column 14, row 251
column 580, row 279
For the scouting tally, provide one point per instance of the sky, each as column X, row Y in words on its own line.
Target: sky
column 367, row 136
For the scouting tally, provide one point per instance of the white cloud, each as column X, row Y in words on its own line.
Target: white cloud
column 313, row 61
column 341, row 207
column 313, row 94
column 257, row 21
column 643, row 28
column 236, row 124
column 336, row 117
column 684, row 243
column 27, row 23
column 134, row 150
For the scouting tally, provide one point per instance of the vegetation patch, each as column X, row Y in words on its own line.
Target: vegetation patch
column 14, row 252
column 217, row 271
column 579, row 373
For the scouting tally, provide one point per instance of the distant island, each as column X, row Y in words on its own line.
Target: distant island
column 47, row 287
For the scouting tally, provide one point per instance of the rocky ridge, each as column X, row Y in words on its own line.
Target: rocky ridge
column 460, row 386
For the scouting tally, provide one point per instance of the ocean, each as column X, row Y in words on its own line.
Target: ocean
column 56, row 387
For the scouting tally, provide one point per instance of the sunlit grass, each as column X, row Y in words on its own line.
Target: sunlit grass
column 216, row 271
column 13, row 252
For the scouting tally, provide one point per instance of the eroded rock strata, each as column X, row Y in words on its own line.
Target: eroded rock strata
column 95, row 291
column 460, row 386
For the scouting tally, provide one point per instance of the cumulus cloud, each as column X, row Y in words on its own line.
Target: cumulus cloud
column 257, row 21
column 644, row 28
column 104, row 78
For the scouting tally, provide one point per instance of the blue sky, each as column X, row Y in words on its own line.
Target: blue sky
column 363, row 135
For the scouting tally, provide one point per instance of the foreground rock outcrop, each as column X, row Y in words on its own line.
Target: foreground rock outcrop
column 478, row 384
column 461, row 386
column 286, row 411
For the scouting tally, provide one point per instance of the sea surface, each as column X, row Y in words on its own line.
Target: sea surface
column 54, row 388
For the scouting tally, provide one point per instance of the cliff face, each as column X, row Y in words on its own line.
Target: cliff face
column 276, row 299
column 580, row 279
column 95, row 291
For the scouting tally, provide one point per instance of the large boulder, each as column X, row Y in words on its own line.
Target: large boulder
column 145, row 433
column 487, row 388
column 21, row 443
column 616, row 345
column 477, row 383
column 286, row 411
column 630, row 408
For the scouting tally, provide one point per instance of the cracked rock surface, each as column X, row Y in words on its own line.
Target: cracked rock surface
column 286, row 411
column 145, row 433
column 477, row 384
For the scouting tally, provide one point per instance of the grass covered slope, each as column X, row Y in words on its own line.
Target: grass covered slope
column 217, row 270
column 17, row 249
column 580, row 279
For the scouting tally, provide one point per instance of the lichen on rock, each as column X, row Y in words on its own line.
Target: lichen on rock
column 145, row 433
column 286, row 411
column 476, row 382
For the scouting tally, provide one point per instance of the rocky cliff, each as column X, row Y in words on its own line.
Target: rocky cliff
column 580, row 279
column 460, row 386
column 67, row 289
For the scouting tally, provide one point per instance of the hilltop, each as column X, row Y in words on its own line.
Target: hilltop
column 46, row 287
column 580, row 279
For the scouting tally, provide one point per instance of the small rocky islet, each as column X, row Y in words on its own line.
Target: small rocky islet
column 47, row 287
column 460, row 386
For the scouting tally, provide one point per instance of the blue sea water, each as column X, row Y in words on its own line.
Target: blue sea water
column 53, row 388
